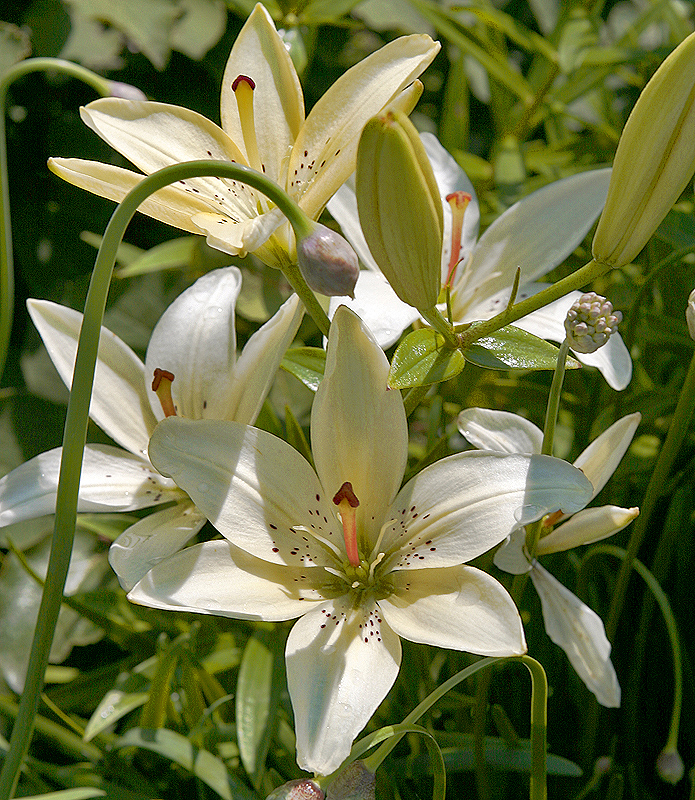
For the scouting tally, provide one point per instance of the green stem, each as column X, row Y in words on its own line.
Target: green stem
column 570, row 283
column 441, row 325
column 676, row 432
column 312, row 305
column 75, row 435
column 6, row 254
column 671, row 627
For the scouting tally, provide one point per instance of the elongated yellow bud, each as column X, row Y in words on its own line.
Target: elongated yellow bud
column 400, row 208
column 654, row 161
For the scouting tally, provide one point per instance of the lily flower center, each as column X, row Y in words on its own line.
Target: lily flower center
column 243, row 87
column 161, row 386
column 347, row 502
column 459, row 203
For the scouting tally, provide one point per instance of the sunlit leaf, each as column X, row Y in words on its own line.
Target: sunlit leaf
column 306, row 364
column 422, row 358
column 512, row 348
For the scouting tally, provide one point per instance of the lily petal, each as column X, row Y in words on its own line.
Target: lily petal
column 240, row 235
column 586, row 527
column 254, row 488
column 218, row 578
column 260, row 359
column 601, row 458
column 579, row 631
column 461, row 506
column 511, row 555
column 503, row 431
column 341, row 663
column 278, row 104
column 169, row 205
column 149, row 541
column 112, row 480
column 195, row 340
column 120, row 405
column 332, row 130
column 539, row 231
column 364, row 440
column 461, row 608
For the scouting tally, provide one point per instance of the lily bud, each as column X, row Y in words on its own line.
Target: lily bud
column 301, row 789
column 356, row 782
column 690, row 314
column 125, row 90
column 400, row 208
column 590, row 322
column 669, row 765
column 654, row 161
column 328, row 263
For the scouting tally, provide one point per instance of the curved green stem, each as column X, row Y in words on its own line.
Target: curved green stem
column 76, row 427
column 102, row 86
column 676, row 432
column 570, row 283
column 671, row 627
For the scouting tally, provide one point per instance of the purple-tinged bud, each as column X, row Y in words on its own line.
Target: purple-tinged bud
column 302, row 789
column 328, row 263
column 590, row 322
column 669, row 765
column 355, row 782
column 125, row 91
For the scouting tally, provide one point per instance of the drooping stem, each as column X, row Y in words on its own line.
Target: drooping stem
column 75, row 435
column 102, row 86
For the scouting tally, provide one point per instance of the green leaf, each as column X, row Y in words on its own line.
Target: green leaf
column 81, row 793
column 203, row 764
column 173, row 254
column 512, row 348
column 295, row 435
column 423, row 358
column 306, row 364
column 257, row 697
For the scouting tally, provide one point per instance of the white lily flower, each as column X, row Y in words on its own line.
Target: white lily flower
column 195, row 339
column 359, row 562
column 536, row 234
column 569, row 622
column 263, row 126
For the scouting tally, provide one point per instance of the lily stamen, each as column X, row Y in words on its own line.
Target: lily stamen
column 347, row 502
column 459, row 203
column 161, row 386
column 243, row 87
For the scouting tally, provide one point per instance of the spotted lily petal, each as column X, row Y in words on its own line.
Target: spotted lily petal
column 120, row 405
column 323, row 155
column 488, row 429
column 112, row 480
column 579, row 631
column 341, row 663
column 218, row 578
column 458, row 607
column 461, row 506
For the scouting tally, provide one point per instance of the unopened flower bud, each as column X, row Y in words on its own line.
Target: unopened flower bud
column 654, row 161
column 669, row 765
column 302, row 789
column 125, row 91
column 400, row 208
column 690, row 314
column 328, row 263
column 356, row 782
column 590, row 322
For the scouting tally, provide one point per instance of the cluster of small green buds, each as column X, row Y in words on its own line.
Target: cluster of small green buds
column 400, row 208
column 690, row 314
column 328, row 263
column 654, row 161
column 301, row 789
column 590, row 322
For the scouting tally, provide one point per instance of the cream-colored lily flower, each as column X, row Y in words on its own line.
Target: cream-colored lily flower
column 359, row 560
column 195, row 340
column 571, row 624
column 263, row 126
